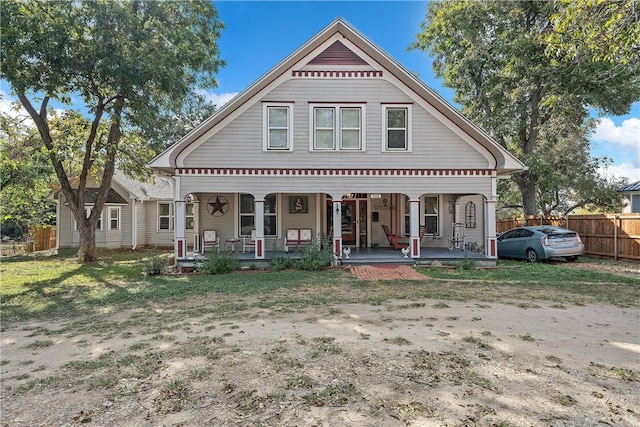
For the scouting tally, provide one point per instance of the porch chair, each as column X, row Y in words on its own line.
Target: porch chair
column 210, row 239
column 394, row 238
column 249, row 242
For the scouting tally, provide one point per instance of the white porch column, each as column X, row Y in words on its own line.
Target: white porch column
column 196, row 226
column 259, row 218
column 337, row 227
column 414, row 210
column 490, row 248
column 179, row 222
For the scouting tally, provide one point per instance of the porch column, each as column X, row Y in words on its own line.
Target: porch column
column 337, row 227
column 490, row 248
column 259, row 206
column 414, row 211
column 196, row 226
column 179, row 222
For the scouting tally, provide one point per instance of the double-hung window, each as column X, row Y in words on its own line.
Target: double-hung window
column 278, row 127
column 247, row 218
column 114, row 218
column 431, row 214
column 397, row 128
column 165, row 216
column 337, row 127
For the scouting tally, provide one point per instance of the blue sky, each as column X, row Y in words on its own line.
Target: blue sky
column 259, row 34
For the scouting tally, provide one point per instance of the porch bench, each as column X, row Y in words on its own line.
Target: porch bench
column 297, row 237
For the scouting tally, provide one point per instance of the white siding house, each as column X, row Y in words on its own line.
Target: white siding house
column 130, row 217
column 341, row 139
column 631, row 192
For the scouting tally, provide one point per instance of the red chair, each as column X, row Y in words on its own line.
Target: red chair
column 394, row 239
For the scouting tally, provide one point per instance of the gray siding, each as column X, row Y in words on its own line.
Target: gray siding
column 239, row 144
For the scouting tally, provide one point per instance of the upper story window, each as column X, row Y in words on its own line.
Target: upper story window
column 337, row 127
column 397, row 128
column 278, row 127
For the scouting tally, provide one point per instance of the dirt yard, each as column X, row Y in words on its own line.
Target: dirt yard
column 416, row 363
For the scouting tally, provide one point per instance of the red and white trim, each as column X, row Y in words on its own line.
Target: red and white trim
column 332, row 172
column 341, row 74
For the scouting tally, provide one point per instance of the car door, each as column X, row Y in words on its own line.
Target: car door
column 505, row 244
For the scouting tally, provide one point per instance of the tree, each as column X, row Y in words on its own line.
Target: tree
column 130, row 64
column 25, row 175
column 494, row 54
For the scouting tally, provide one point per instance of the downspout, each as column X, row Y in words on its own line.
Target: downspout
column 134, row 224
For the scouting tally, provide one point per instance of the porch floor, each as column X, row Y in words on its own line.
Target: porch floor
column 363, row 256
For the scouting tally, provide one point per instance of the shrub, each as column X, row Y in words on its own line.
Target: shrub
column 220, row 263
column 316, row 255
column 281, row 262
column 154, row 266
column 467, row 264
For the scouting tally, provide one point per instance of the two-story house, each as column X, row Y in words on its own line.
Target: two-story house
column 341, row 139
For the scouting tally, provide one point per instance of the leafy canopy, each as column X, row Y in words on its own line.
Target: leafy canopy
column 122, row 67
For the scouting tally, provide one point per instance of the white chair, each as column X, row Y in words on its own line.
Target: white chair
column 210, row 239
column 249, row 242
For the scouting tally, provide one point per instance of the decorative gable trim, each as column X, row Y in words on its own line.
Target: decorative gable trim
column 332, row 172
column 337, row 54
column 336, row 74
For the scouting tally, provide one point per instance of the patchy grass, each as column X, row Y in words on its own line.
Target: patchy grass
column 55, row 285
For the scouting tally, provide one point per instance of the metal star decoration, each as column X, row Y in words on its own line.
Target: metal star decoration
column 218, row 206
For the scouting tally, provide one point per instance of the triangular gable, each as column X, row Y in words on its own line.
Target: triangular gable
column 337, row 54
column 505, row 162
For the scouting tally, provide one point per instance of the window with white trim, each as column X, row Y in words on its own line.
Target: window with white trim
column 87, row 212
column 431, row 210
column 114, row 218
column 397, row 126
column 247, row 219
column 337, row 127
column 165, row 216
column 189, row 216
column 278, row 127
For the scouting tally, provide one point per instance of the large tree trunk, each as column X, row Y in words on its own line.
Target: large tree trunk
column 87, row 251
column 527, row 185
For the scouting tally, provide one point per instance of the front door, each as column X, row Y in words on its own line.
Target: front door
column 349, row 231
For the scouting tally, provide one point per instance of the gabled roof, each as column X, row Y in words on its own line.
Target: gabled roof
column 634, row 186
column 338, row 53
column 161, row 188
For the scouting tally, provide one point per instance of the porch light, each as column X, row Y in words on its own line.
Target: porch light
column 337, row 208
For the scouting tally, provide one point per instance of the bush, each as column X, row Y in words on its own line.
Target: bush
column 467, row 264
column 316, row 255
column 281, row 262
column 220, row 263
column 154, row 266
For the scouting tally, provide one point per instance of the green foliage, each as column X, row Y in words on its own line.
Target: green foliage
column 154, row 266
column 316, row 255
column 25, row 175
column 280, row 262
column 130, row 65
column 220, row 263
column 496, row 56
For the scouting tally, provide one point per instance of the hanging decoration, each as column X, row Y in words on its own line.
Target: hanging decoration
column 217, row 205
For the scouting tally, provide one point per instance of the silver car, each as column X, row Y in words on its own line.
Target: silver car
column 540, row 242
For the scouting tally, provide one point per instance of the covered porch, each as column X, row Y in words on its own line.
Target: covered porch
column 360, row 256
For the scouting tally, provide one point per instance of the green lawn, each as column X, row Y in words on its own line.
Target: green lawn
column 54, row 285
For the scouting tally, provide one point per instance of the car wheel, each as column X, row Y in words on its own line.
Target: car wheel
column 532, row 255
column 572, row 258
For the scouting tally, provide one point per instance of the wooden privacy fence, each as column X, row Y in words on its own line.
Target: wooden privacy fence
column 41, row 239
column 614, row 235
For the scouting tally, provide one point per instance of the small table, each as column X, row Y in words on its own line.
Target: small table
column 233, row 243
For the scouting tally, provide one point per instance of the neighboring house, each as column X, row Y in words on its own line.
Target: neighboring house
column 135, row 214
column 340, row 139
column 632, row 193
